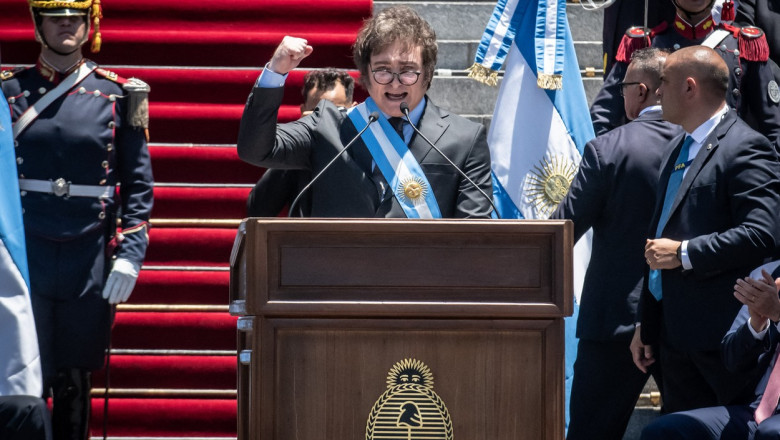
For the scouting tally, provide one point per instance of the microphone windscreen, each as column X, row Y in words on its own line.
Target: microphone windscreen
column 373, row 116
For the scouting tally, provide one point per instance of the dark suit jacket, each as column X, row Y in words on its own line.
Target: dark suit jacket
column 727, row 208
column 614, row 193
column 276, row 190
column 347, row 188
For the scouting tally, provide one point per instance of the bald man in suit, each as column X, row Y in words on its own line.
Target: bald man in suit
column 715, row 220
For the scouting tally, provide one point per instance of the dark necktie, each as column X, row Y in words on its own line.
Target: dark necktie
column 675, row 179
column 381, row 184
column 398, row 125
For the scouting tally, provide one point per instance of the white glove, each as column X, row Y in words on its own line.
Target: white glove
column 121, row 281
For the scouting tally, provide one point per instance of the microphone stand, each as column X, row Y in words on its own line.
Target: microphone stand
column 373, row 117
column 405, row 110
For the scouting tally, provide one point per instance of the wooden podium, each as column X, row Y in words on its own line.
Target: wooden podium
column 339, row 320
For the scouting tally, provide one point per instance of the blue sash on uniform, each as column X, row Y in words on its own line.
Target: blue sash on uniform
column 397, row 164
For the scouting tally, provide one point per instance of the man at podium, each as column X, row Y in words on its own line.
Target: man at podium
column 395, row 155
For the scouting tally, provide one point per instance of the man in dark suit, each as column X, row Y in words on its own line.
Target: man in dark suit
column 277, row 189
column 618, row 175
column 390, row 171
column 715, row 219
column 750, row 346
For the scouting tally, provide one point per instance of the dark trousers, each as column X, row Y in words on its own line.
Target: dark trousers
column 699, row 379
column 715, row 423
column 606, row 387
column 73, row 322
column 24, row 418
column 72, row 319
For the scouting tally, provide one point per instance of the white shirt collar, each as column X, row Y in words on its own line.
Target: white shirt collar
column 702, row 131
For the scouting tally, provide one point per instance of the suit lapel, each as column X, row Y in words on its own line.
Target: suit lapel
column 666, row 172
column 433, row 123
column 358, row 151
column 358, row 156
column 708, row 147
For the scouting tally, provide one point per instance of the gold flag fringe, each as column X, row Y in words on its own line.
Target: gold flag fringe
column 483, row 74
column 550, row 82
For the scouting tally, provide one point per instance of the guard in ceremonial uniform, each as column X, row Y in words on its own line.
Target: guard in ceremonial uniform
column 753, row 85
column 81, row 151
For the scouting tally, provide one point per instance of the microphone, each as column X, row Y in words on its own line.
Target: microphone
column 405, row 110
column 373, row 117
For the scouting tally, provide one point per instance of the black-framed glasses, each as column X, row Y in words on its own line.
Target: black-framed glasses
column 407, row 77
column 623, row 85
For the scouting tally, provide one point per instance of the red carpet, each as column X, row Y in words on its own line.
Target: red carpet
column 173, row 362
column 185, row 33
column 179, row 287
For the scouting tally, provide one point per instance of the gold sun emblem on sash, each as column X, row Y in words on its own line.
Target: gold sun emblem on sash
column 548, row 183
column 412, row 189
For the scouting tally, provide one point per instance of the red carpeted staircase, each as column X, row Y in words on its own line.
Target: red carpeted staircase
column 173, row 358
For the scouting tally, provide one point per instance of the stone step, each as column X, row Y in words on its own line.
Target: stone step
column 459, row 26
column 641, row 416
column 459, row 54
column 466, row 20
column 462, row 95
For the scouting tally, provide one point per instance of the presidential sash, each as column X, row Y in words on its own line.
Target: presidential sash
column 397, row 164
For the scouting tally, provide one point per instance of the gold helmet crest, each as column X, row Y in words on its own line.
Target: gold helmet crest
column 64, row 8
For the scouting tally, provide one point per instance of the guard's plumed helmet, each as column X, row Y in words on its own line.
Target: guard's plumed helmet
column 68, row 8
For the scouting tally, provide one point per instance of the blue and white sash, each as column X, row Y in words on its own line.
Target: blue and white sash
column 397, row 164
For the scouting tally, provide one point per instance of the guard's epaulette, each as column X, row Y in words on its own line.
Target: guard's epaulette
column 138, row 107
column 635, row 38
column 752, row 42
column 5, row 75
column 109, row 75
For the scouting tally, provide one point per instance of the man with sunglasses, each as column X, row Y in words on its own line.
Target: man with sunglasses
column 390, row 171
column 618, row 173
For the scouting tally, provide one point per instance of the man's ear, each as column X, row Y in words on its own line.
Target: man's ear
column 644, row 92
column 691, row 86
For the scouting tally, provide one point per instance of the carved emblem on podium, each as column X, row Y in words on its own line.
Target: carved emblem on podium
column 409, row 409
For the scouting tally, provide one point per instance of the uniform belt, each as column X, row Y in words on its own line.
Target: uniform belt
column 61, row 188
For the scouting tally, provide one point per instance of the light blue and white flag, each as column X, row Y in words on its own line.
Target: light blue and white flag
column 20, row 363
column 541, row 121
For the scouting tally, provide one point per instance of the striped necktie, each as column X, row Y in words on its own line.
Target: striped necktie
column 675, row 179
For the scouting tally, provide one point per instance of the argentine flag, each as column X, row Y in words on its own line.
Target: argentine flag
column 20, row 363
column 540, row 124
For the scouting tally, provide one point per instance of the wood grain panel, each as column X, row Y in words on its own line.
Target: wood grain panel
column 327, row 375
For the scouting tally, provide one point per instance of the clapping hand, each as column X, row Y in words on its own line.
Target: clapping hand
column 760, row 296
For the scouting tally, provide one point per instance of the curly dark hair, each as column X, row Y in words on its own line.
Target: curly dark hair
column 326, row 79
column 398, row 23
